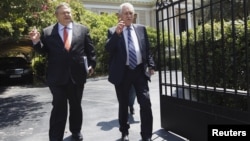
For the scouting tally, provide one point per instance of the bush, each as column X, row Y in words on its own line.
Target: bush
column 217, row 55
column 39, row 65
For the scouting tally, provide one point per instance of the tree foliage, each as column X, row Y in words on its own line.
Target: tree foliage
column 226, row 9
column 15, row 16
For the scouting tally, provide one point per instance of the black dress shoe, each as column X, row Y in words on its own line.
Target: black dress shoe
column 77, row 136
column 124, row 137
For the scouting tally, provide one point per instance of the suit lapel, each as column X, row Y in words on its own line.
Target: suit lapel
column 123, row 46
column 138, row 35
column 75, row 31
column 55, row 33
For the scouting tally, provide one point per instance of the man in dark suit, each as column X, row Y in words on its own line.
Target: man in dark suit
column 65, row 43
column 131, row 64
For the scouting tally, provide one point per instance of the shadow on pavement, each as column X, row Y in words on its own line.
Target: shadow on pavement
column 166, row 136
column 108, row 125
column 13, row 110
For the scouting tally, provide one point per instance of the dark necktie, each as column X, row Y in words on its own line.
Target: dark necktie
column 66, row 39
column 131, row 50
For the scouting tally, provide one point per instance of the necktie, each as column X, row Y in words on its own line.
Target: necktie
column 66, row 39
column 131, row 50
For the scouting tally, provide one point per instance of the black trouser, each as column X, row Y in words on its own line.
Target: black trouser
column 138, row 79
column 132, row 96
column 61, row 96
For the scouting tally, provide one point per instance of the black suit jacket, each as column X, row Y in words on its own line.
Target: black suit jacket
column 64, row 65
column 116, row 47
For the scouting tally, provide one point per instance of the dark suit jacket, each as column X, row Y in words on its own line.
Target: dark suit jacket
column 116, row 47
column 64, row 65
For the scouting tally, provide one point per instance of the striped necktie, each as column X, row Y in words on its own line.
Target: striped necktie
column 131, row 51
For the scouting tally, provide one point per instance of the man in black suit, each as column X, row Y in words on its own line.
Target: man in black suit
column 65, row 43
column 123, row 39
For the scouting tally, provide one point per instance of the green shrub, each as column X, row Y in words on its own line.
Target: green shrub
column 39, row 65
column 217, row 55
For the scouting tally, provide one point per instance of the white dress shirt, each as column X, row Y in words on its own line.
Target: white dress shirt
column 69, row 28
column 136, row 44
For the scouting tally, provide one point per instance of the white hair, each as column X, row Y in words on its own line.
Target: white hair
column 128, row 5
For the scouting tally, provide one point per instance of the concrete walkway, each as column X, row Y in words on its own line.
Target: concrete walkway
column 100, row 112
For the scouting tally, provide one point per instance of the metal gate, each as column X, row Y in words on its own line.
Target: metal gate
column 204, row 64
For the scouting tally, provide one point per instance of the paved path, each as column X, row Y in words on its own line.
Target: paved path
column 25, row 111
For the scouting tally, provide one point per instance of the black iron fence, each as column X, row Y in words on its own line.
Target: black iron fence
column 203, row 50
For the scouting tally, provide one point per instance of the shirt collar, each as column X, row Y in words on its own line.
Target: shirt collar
column 131, row 27
column 61, row 27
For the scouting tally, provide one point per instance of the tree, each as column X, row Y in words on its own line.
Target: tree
column 224, row 9
column 14, row 17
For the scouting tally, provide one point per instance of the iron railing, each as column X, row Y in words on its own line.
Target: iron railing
column 203, row 50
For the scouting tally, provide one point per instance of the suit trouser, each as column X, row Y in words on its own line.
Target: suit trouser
column 61, row 96
column 132, row 96
column 137, row 78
